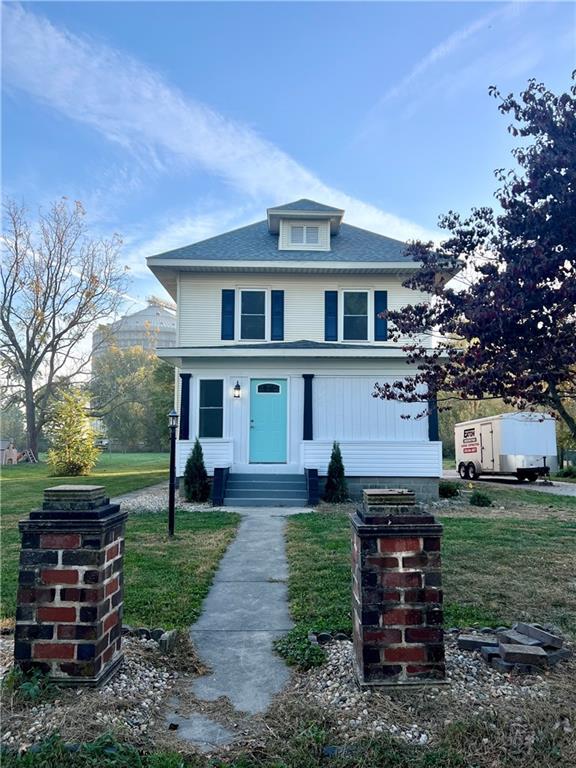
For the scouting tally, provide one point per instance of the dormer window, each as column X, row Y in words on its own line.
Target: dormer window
column 304, row 235
column 301, row 236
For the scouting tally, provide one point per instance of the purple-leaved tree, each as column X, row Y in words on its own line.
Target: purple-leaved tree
column 507, row 327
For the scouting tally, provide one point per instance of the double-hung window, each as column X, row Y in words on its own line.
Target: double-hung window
column 355, row 316
column 253, row 315
column 301, row 234
column 211, row 416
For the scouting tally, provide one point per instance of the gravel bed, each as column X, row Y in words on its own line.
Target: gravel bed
column 155, row 499
column 127, row 705
column 414, row 715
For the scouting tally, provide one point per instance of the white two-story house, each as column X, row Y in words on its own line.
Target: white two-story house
column 279, row 345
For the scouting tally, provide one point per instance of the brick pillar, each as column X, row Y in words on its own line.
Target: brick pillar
column 70, row 595
column 397, row 595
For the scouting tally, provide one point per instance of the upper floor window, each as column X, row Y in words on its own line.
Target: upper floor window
column 253, row 315
column 211, row 415
column 304, row 236
column 355, row 316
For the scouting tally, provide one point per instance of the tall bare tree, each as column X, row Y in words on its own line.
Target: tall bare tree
column 57, row 284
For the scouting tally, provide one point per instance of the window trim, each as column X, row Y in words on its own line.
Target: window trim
column 223, row 379
column 369, row 313
column 267, row 312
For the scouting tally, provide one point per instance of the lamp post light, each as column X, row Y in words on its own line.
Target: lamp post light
column 173, row 424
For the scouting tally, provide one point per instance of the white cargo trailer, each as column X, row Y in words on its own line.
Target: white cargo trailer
column 521, row 444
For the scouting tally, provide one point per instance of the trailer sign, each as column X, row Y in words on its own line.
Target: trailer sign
column 469, row 441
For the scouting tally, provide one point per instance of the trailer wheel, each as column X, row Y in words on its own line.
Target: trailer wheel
column 471, row 472
column 532, row 477
column 463, row 471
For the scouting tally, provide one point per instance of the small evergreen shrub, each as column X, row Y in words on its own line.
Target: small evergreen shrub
column 448, row 490
column 336, row 490
column 196, row 484
column 71, row 437
column 479, row 499
column 569, row 471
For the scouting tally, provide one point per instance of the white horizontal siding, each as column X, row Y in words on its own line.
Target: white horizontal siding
column 200, row 302
column 377, row 459
column 217, row 453
column 344, row 409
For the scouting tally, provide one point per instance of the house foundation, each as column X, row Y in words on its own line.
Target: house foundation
column 396, row 591
column 70, row 587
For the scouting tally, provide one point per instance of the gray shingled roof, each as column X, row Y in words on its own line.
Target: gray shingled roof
column 306, row 205
column 256, row 243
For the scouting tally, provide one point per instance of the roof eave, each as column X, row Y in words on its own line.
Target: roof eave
column 177, row 355
column 160, row 265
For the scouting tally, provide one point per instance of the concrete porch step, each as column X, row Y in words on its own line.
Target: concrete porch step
column 264, row 502
column 264, row 493
column 266, row 490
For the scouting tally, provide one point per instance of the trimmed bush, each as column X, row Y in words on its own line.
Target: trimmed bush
column 448, row 490
column 479, row 499
column 569, row 471
column 196, row 483
column 336, row 490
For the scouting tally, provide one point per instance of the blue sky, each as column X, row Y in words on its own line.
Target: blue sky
column 175, row 121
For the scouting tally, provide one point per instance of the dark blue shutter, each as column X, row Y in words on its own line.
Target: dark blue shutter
column 228, row 314
column 277, row 321
column 433, row 429
column 380, row 325
column 331, row 315
column 184, row 433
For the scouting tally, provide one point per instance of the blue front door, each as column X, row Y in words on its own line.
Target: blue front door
column 268, row 421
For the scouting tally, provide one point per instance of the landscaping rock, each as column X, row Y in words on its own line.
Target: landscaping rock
column 167, row 642
column 324, row 637
column 143, row 633
column 156, row 634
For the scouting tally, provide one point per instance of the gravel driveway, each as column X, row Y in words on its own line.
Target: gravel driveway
column 557, row 488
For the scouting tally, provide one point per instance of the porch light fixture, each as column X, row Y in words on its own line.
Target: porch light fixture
column 237, row 390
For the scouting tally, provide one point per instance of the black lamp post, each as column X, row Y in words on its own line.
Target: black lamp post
column 173, row 423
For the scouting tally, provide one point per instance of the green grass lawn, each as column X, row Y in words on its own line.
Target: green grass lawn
column 22, row 487
column 495, row 571
column 165, row 581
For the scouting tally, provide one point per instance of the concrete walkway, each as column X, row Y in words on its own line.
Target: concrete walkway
column 245, row 611
column 556, row 488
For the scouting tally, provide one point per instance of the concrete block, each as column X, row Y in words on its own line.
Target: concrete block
column 561, row 654
column 517, row 638
column 476, row 642
column 523, row 654
column 507, row 666
column 536, row 632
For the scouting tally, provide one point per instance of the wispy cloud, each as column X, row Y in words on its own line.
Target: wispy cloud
column 133, row 106
column 441, row 51
column 418, row 85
